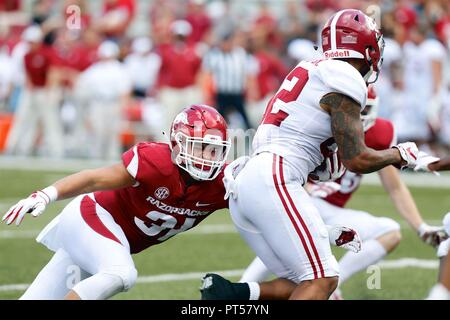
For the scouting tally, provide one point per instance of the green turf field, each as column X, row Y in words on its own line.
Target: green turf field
column 215, row 246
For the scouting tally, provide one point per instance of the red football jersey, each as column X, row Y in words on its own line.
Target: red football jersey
column 380, row 136
column 160, row 205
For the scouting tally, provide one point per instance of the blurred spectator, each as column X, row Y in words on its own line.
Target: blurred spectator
column 233, row 71
column 6, row 77
column 143, row 67
column 178, row 76
column 104, row 88
column 39, row 102
column 271, row 72
column 162, row 15
column 424, row 87
column 390, row 82
column 42, row 10
column 117, row 16
column 199, row 20
column 10, row 5
column 268, row 25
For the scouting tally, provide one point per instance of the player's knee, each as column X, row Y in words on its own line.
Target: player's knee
column 390, row 240
column 331, row 284
column 127, row 275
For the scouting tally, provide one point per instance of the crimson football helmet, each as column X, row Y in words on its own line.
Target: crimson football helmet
column 350, row 33
column 199, row 141
column 370, row 112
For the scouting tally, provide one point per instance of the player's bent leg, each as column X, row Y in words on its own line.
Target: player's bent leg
column 390, row 240
column 98, row 245
column 55, row 279
column 104, row 284
column 277, row 206
column 380, row 235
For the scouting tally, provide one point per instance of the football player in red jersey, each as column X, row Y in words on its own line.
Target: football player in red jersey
column 380, row 235
column 157, row 191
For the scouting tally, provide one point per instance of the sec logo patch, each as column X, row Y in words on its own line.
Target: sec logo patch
column 162, row 193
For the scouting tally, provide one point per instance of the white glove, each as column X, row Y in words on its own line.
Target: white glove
column 35, row 205
column 322, row 189
column 344, row 237
column 229, row 175
column 432, row 235
column 330, row 169
column 409, row 153
column 423, row 160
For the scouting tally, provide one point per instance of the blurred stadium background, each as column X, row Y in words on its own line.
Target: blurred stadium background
column 82, row 81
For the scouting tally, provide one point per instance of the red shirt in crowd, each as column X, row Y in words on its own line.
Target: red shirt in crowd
column 37, row 65
column 200, row 23
column 271, row 73
column 179, row 65
column 10, row 5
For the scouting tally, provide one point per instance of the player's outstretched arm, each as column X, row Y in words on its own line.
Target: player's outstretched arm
column 348, row 132
column 111, row 177
column 407, row 208
column 441, row 165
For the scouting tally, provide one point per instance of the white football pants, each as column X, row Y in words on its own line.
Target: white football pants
column 278, row 220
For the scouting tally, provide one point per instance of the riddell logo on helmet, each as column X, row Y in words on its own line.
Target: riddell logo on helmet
column 337, row 54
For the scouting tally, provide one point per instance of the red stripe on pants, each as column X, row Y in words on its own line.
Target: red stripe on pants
column 297, row 213
column 286, row 208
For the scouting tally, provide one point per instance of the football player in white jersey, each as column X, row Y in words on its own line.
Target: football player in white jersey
column 380, row 235
column 317, row 106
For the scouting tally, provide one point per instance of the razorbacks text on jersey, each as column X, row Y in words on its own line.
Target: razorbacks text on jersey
column 294, row 125
column 160, row 205
column 380, row 136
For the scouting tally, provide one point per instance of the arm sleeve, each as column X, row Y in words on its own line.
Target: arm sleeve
column 341, row 77
column 136, row 162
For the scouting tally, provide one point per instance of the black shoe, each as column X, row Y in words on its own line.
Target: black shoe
column 215, row 287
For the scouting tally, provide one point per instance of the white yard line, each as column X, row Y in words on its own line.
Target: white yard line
column 170, row 277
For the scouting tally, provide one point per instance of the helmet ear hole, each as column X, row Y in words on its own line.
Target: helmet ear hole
column 357, row 18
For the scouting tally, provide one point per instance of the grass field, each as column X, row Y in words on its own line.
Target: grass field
column 172, row 270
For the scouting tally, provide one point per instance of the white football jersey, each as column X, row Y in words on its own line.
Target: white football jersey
column 294, row 125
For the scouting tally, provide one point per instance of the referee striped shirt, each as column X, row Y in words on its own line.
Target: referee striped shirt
column 230, row 69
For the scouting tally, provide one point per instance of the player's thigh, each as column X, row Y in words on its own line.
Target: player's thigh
column 257, row 243
column 272, row 199
column 368, row 226
column 90, row 236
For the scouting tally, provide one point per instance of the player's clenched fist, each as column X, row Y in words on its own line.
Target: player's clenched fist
column 35, row 205
column 409, row 153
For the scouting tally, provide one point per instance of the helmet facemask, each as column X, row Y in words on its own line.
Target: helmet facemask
column 202, row 157
column 374, row 69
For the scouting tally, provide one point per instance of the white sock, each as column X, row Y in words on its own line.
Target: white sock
column 372, row 251
column 254, row 290
column 256, row 271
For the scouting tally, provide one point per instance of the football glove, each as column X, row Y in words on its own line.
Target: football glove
column 229, row 175
column 344, row 237
column 423, row 160
column 432, row 235
column 322, row 189
column 330, row 169
column 409, row 153
column 35, row 205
